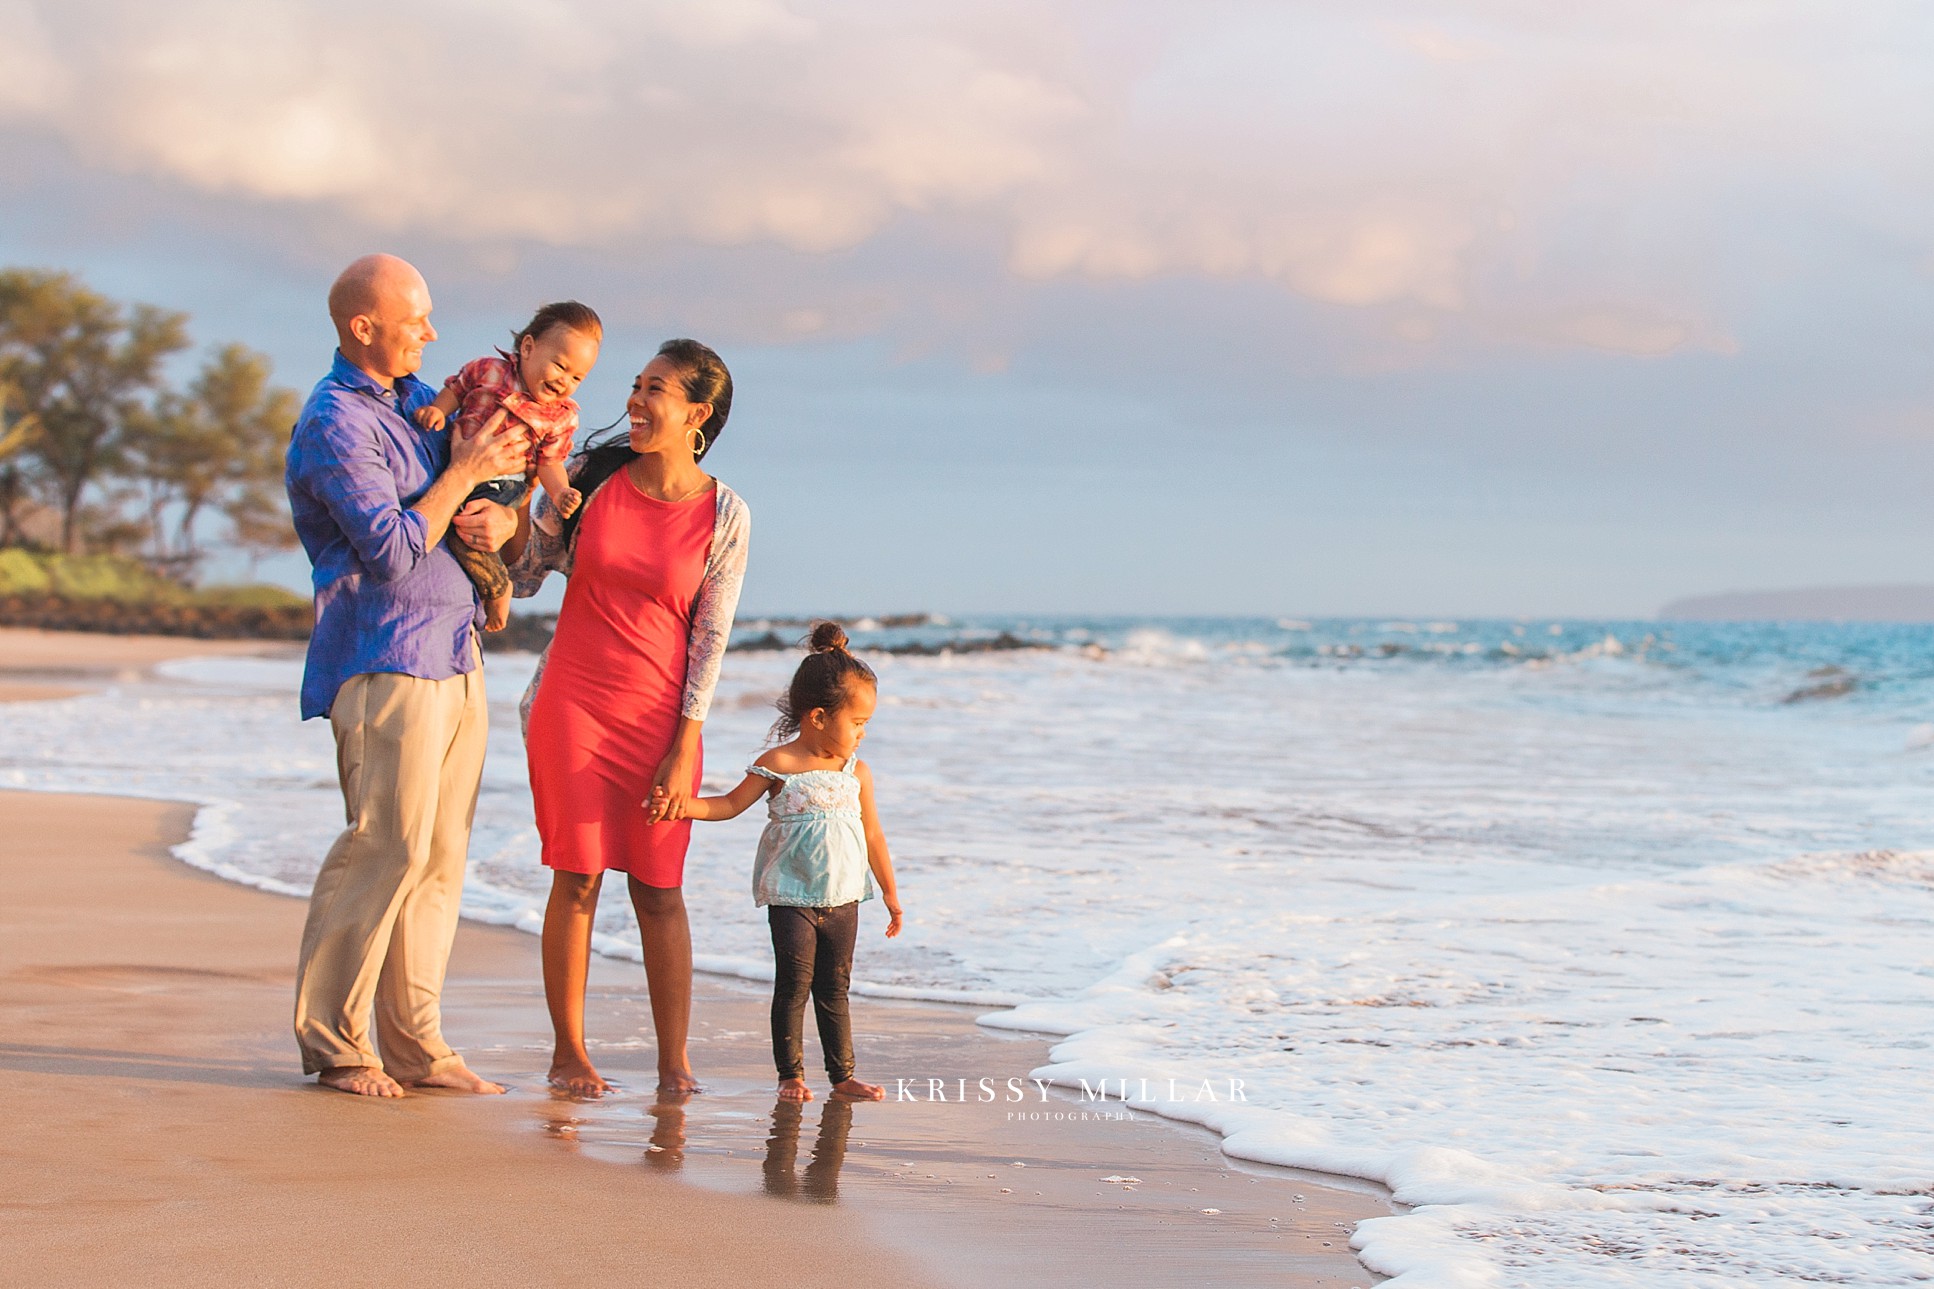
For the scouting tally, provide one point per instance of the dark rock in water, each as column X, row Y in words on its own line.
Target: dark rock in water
column 885, row 620
column 1002, row 643
column 1838, row 687
column 771, row 641
column 767, row 643
column 526, row 633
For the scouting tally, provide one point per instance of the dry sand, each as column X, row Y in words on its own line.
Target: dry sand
column 168, row 1137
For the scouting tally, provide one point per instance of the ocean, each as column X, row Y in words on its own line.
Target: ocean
column 1607, row 946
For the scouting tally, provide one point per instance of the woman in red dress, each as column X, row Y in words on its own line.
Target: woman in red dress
column 655, row 555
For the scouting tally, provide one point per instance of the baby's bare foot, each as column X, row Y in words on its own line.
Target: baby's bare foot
column 854, row 1090
column 496, row 614
column 794, row 1090
column 360, row 1080
column 459, row 1078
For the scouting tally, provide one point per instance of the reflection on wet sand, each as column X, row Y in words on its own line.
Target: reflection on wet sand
column 666, row 1152
column 820, row 1184
column 570, row 1119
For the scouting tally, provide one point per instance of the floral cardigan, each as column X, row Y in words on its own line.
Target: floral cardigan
column 712, row 610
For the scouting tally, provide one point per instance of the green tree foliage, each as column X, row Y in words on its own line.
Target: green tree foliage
column 83, row 365
column 17, row 430
column 90, row 427
column 218, row 447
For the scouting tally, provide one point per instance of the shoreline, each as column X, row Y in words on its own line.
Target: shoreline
column 169, row 1139
column 932, row 1182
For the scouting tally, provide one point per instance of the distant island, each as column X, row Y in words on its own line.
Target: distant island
column 1907, row 602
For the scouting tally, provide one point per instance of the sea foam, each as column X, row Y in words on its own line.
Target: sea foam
column 1609, row 964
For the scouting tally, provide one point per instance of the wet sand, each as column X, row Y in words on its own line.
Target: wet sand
column 145, row 1012
column 980, row 1192
column 158, row 1132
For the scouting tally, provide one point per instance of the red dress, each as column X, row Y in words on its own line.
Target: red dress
column 614, row 684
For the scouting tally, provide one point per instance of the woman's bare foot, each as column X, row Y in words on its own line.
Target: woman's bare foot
column 459, row 1078
column 854, row 1090
column 794, row 1090
column 360, row 1080
column 677, row 1081
column 576, row 1076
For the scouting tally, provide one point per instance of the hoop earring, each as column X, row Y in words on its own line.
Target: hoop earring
column 698, row 444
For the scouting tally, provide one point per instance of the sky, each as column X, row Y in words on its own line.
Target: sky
column 1471, row 307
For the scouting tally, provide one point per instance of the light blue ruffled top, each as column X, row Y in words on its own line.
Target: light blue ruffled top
column 812, row 853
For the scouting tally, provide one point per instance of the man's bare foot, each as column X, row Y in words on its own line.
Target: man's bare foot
column 360, row 1080
column 674, row 1081
column 459, row 1078
column 577, row 1078
column 854, row 1090
column 794, row 1090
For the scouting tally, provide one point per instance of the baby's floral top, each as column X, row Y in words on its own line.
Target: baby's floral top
column 712, row 612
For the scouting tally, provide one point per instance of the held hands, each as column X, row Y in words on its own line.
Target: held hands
column 671, row 788
column 659, row 808
column 430, row 416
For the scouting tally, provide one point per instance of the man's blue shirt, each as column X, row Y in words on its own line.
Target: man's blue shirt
column 385, row 599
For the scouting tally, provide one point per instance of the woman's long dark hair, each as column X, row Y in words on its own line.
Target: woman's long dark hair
column 706, row 380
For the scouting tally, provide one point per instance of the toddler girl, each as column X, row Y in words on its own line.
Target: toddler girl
column 822, row 837
column 532, row 388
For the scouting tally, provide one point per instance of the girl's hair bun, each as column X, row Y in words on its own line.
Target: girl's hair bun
column 822, row 681
column 827, row 637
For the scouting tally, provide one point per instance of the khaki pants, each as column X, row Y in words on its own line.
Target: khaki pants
column 409, row 754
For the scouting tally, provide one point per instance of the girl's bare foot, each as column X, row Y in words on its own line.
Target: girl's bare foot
column 794, row 1090
column 360, row 1080
column 854, row 1090
column 459, row 1078
column 574, row 1075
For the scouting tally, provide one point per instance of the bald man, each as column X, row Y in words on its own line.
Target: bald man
column 394, row 664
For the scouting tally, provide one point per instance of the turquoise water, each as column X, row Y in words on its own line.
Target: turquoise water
column 1607, row 945
column 1883, row 666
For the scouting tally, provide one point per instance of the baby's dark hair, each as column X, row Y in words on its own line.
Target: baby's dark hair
column 825, row 677
column 581, row 318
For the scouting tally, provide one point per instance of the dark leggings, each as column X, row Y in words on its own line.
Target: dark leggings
column 812, row 951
